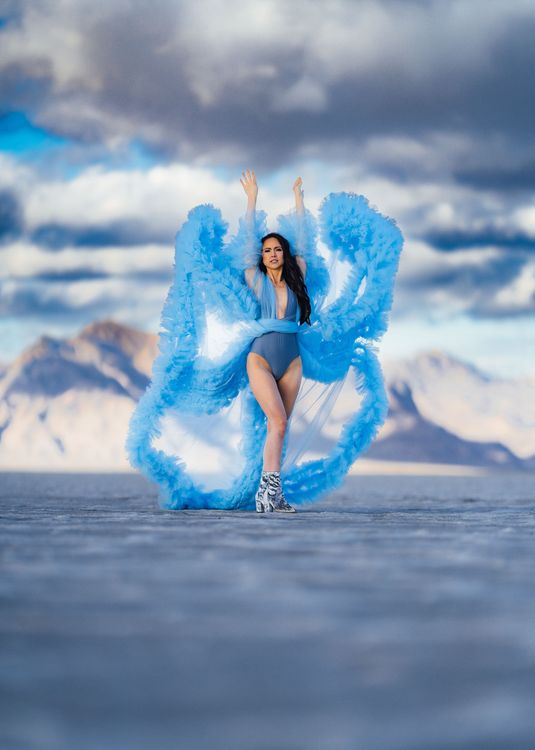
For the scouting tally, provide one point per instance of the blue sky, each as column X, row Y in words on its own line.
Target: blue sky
column 115, row 120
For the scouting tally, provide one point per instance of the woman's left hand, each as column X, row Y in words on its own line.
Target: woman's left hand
column 298, row 185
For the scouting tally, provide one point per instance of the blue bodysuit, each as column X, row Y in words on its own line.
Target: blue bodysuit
column 279, row 349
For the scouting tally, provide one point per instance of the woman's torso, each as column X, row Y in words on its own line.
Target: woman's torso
column 276, row 347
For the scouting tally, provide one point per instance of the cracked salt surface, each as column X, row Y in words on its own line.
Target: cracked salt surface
column 396, row 614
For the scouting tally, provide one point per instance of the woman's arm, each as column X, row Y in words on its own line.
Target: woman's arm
column 298, row 192
column 300, row 209
column 251, row 190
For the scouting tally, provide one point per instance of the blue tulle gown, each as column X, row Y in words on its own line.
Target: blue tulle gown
column 198, row 431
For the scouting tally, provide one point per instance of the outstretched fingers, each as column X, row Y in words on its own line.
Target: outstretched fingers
column 249, row 178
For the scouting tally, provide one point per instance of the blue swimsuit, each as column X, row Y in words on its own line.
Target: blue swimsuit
column 279, row 349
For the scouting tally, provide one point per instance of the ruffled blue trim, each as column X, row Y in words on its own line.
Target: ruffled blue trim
column 208, row 278
column 313, row 479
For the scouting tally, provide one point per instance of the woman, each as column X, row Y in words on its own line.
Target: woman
column 222, row 385
column 274, row 366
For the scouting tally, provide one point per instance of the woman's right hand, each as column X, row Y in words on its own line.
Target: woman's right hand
column 298, row 194
column 249, row 184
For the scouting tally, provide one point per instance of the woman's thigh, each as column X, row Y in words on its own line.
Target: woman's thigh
column 264, row 387
column 289, row 383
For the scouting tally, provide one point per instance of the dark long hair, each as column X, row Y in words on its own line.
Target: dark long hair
column 292, row 275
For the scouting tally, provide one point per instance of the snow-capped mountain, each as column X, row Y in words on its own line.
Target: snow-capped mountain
column 458, row 397
column 65, row 405
column 442, row 410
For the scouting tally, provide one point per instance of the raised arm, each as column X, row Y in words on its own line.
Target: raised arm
column 299, row 227
column 300, row 211
column 248, row 181
column 298, row 192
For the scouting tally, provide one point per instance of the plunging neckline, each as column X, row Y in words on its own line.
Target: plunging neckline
column 287, row 299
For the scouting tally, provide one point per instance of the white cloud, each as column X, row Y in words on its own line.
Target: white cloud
column 518, row 294
column 524, row 218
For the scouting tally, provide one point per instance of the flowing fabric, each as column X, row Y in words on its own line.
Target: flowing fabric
column 198, row 431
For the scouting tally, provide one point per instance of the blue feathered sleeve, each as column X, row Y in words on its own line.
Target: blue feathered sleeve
column 371, row 243
column 198, row 430
column 244, row 247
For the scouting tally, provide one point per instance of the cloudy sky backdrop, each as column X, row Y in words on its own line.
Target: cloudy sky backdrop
column 116, row 118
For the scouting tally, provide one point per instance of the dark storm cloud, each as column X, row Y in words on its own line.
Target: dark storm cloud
column 26, row 302
column 11, row 13
column 30, row 302
column 495, row 97
column 499, row 176
column 73, row 275
column 69, row 275
column 25, row 85
column 469, row 278
column 465, row 239
column 475, row 80
column 150, row 276
column 122, row 233
column 477, row 283
column 383, row 100
column 11, row 217
column 486, row 309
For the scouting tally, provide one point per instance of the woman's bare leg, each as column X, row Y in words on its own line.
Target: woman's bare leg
column 276, row 401
column 264, row 387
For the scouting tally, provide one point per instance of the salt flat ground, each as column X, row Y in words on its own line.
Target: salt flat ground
column 398, row 613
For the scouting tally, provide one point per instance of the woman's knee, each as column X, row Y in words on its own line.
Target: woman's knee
column 277, row 425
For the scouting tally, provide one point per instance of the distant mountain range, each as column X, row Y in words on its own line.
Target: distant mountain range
column 443, row 410
column 65, row 405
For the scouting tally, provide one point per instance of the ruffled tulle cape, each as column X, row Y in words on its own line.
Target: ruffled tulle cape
column 198, row 431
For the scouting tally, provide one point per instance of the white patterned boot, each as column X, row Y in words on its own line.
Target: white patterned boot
column 260, row 494
column 275, row 494
column 281, row 504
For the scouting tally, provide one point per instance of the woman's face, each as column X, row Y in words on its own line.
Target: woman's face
column 272, row 253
